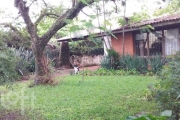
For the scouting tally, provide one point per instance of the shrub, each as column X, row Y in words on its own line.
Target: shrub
column 7, row 65
column 136, row 63
column 156, row 63
column 105, row 72
column 111, row 61
column 22, row 67
column 26, row 61
column 168, row 94
column 114, row 56
column 106, row 63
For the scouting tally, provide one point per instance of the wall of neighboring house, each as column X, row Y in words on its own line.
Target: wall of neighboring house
column 128, row 43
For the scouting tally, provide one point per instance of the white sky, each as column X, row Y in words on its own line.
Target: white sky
column 132, row 6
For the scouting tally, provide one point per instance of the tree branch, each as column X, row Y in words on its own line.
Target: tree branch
column 15, row 30
column 60, row 22
column 45, row 3
column 42, row 15
column 85, row 13
column 51, row 15
column 12, row 28
column 24, row 11
column 32, row 3
column 73, row 2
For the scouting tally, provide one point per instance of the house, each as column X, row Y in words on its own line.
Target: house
column 164, row 39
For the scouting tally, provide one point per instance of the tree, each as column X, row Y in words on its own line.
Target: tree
column 39, row 42
column 173, row 6
column 14, row 37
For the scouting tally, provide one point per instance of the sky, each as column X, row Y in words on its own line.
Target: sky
column 132, row 6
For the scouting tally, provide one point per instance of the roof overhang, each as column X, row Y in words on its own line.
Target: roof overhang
column 154, row 25
column 78, row 38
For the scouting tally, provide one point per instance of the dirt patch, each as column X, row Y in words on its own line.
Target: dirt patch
column 10, row 115
column 65, row 72
column 16, row 115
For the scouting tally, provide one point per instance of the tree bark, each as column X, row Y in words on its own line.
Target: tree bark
column 42, row 71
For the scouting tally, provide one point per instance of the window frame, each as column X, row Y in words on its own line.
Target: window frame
column 163, row 40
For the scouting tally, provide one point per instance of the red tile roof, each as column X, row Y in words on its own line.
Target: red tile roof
column 152, row 21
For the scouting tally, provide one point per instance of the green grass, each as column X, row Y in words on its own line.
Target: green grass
column 98, row 97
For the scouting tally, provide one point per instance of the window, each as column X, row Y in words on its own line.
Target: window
column 171, row 41
column 149, row 44
column 155, row 43
column 141, row 46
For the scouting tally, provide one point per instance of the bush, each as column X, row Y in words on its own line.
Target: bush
column 111, row 61
column 168, row 94
column 22, row 67
column 106, row 63
column 7, row 65
column 132, row 63
column 156, row 63
column 26, row 61
column 136, row 63
column 114, row 56
column 105, row 72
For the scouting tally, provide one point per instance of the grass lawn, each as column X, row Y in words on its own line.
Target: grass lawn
column 98, row 98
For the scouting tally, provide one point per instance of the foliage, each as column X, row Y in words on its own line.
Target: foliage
column 114, row 58
column 111, row 61
column 7, row 63
column 172, row 8
column 146, row 28
column 168, row 92
column 52, row 54
column 16, row 39
column 106, row 62
column 136, row 63
column 146, row 117
column 26, row 62
column 109, row 72
column 26, row 59
column 148, row 66
column 164, row 116
column 90, row 47
column 156, row 63
column 136, row 17
column 52, row 12
column 98, row 98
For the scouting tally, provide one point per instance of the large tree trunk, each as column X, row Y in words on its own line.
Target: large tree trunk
column 41, row 69
column 42, row 72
